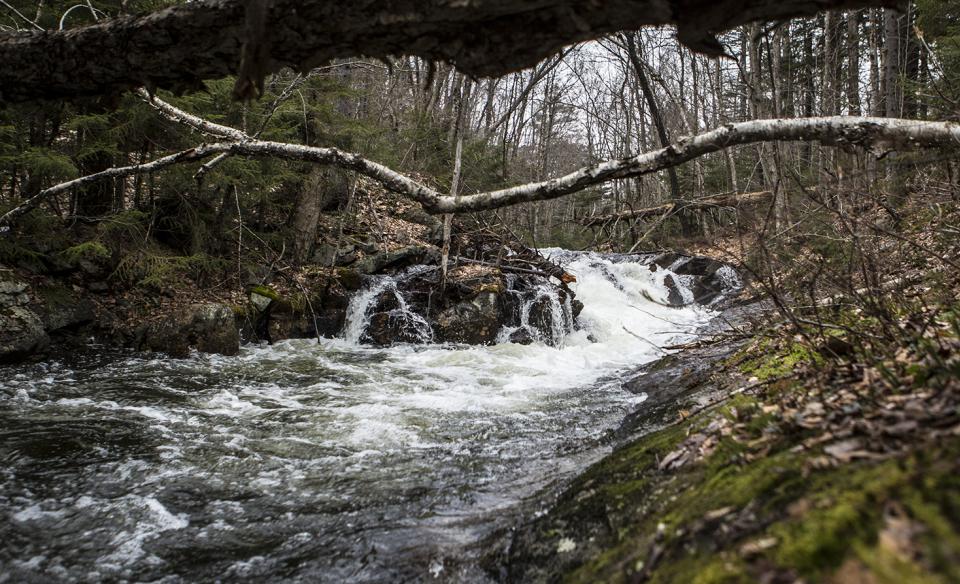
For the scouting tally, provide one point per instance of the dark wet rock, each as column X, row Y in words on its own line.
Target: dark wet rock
column 542, row 317
column 576, row 307
column 476, row 321
column 394, row 326
column 709, row 283
column 98, row 287
column 323, row 322
column 209, row 328
column 21, row 329
column 521, row 336
column 674, row 296
column 711, row 279
column 321, row 313
column 63, row 309
column 215, row 329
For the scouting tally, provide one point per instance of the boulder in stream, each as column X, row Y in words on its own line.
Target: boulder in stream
column 21, row 329
column 709, row 279
column 475, row 321
column 209, row 328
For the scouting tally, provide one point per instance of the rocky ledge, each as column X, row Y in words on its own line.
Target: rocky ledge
column 376, row 297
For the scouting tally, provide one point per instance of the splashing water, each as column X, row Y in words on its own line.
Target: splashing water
column 363, row 304
column 317, row 462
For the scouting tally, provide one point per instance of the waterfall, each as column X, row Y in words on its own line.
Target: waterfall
column 617, row 290
column 362, row 308
column 553, row 318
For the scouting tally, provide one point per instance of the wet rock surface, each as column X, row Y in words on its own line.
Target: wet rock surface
column 208, row 328
column 475, row 321
column 21, row 329
column 710, row 278
column 479, row 305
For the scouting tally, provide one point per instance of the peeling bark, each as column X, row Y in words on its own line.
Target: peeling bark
column 181, row 46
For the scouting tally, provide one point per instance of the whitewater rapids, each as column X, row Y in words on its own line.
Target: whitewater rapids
column 309, row 461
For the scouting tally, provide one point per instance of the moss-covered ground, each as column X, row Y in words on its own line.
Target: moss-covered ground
column 815, row 468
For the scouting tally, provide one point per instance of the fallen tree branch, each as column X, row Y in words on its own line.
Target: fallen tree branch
column 501, row 266
column 878, row 134
column 176, row 114
column 284, row 96
column 191, row 155
column 180, row 46
column 730, row 200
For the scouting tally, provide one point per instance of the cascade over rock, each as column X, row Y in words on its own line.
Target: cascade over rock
column 480, row 303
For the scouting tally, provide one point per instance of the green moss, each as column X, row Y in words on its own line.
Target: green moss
column 266, row 292
column 890, row 568
column 716, row 569
column 241, row 311
column 349, row 279
column 766, row 361
column 88, row 250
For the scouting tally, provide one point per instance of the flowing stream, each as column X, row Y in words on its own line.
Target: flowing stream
column 306, row 461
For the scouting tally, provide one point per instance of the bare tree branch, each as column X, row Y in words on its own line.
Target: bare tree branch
column 877, row 134
column 176, row 114
column 190, row 155
column 719, row 201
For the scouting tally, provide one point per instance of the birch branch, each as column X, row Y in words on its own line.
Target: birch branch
column 176, row 114
column 284, row 96
column 28, row 205
column 877, row 134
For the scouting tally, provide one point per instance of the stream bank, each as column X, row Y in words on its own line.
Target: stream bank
column 767, row 462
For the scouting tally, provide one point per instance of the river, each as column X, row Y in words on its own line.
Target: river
column 307, row 461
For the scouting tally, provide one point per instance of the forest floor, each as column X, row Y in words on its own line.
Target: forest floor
column 796, row 450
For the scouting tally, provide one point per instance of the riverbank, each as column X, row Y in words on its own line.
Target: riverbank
column 774, row 461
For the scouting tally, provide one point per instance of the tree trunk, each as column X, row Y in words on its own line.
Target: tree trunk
column 306, row 214
column 687, row 225
column 182, row 45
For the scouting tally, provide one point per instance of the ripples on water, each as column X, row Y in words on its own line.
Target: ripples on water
column 307, row 461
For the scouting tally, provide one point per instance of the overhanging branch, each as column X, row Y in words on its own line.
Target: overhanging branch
column 179, row 47
column 878, row 134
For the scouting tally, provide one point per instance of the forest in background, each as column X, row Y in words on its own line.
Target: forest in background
column 625, row 94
